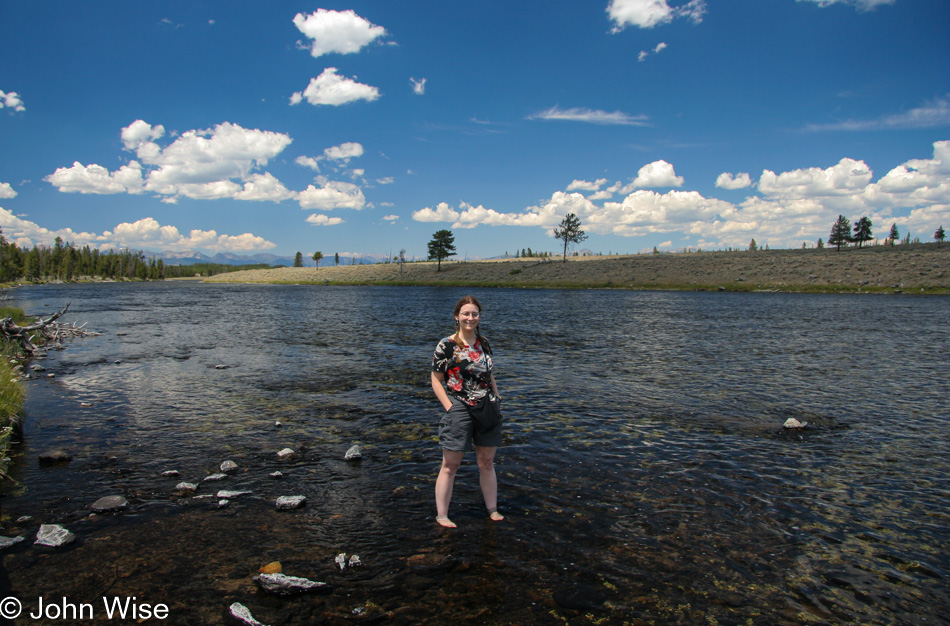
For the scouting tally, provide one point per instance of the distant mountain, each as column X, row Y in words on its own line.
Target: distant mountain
column 223, row 258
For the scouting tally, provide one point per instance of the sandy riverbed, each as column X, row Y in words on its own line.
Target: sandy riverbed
column 910, row 268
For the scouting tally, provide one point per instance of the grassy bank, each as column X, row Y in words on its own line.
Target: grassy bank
column 11, row 389
column 921, row 268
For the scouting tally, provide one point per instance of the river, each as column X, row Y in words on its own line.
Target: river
column 645, row 476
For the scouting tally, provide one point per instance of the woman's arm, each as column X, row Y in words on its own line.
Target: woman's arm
column 440, row 393
column 494, row 386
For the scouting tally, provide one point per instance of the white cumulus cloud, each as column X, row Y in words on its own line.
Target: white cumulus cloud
column 333, row 195
column 7, row 191
column 658, row 174
column 11, row 100
column 96, row 179
column 145, row 233
column 650, row 13
column 343, row 32
column 319, row 219
column 329, row 88
column 727, row 181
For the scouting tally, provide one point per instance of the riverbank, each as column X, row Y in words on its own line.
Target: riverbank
column 921, row 268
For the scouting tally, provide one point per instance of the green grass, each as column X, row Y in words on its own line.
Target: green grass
column 11, row 390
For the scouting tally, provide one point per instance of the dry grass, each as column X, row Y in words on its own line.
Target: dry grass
column 913, row 268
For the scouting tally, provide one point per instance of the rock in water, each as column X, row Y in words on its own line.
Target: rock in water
column 54, row 457
column 286, row 503
column 110, row 504
column 214, row 477
column 286, row 453
column 54, row 536
column 186, row 487
column 355, row 560
column 241, row 612
column 6, row 542
column 794, row 423
column 283, row 585
column 230, row 495
column 228, row 466
column 353, row 453
column 340, row 560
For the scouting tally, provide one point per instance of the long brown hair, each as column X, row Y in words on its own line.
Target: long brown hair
column 458, row 338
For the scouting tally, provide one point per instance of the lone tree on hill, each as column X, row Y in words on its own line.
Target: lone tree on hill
column 840, row 232
column 317, row 256
column 442, row 246
column 895, row 235
column 862, row 231
column 570, row 232
column 298, row 260
column 940, row 235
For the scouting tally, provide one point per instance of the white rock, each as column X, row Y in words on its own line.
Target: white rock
column 355, row 560
column 353, row 453
column 214, row 477
column 284, row 585
column 171, row 474
column 286, row 453
column 54, row 536
column 286, row 503
column 794, row 423
column 276, row 474
column 340, row 560
column 186, row 487
column 241, row 612
column 230, row 495
column 6, row 542
column 229, row 466
column 223, row 503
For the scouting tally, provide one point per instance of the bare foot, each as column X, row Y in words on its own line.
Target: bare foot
column 495, row 516
column 445, row 521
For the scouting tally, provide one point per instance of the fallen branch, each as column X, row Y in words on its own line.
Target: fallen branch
column 49, row 329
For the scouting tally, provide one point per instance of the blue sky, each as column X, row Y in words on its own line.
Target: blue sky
column 361, row 128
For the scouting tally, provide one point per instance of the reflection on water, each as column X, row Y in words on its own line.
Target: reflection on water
column 646, row 476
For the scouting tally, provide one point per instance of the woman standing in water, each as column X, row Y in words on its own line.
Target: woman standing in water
column 461, row 379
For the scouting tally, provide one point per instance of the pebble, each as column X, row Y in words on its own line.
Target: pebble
column 242, row 613
column 229, row 495
column 171, row 474
column 276, row 474
column 353, row 453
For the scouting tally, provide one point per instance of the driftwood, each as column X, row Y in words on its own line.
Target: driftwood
column 52, row 331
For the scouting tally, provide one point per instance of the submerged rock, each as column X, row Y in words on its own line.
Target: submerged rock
column 229, row 466
column 110, row 504
column 214, row 477
column 276, row 474
column 354, row 560
column 353, row 453
column 186, row 487
column 54, row 536
column 286, row 503
column 340, row 560
column 794, row 423
column 286, row 453
column 283, row 585
column 171, row 474
column 6, row 542
column 242, row 613
column 54, row 457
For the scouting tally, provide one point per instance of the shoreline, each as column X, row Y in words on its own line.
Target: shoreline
column 919, row 268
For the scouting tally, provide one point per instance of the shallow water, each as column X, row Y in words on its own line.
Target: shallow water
column 646, row 476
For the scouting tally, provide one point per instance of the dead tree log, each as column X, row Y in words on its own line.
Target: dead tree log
column 49, row 328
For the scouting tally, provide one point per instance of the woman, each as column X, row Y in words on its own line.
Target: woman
column 461, row 379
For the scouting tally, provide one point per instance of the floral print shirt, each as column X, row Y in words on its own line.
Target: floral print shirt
column 467, row 370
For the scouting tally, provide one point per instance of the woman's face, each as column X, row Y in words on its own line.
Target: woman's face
column 468, row 318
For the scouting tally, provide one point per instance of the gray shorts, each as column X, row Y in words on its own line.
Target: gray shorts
column 457, row 431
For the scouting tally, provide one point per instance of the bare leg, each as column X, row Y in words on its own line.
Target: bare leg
column 443, row 486
column 488, row 480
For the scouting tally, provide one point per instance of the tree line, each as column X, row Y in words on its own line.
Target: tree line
column 66, row 262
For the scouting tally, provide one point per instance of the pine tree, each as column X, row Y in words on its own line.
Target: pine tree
column 862, row 231
column 840, row 232
column 442, row 246
column 569, row 231
column 940, row 235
